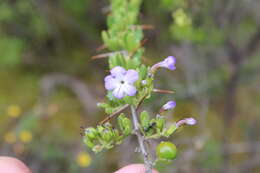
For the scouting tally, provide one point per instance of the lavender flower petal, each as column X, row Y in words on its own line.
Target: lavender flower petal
column 118, row 71
column 118, row 92
column 130, row 90
column 110, row 83
column 131, row 76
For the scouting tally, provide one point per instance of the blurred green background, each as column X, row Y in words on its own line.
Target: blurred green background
column 49, row 85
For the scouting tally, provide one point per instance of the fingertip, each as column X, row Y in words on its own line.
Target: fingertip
column 133, row 168
column 12, row 165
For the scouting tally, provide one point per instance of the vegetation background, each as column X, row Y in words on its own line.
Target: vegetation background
column 49, row 85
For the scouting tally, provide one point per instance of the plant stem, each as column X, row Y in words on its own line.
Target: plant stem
column 141, row 141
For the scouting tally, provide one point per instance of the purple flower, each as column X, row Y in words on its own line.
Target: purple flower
column 168, row 63
column 121, row 82
column 169, row 105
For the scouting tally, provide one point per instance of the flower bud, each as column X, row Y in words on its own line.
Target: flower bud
column 107, row 125
column 97, row 148
column 127, row 126
column 91, row 133
column 88, row 142
column 116, row 136
column 166, row 151
column 107, row 135
column 168, row 106
column 100, row 129
column 120, row 121
column 188, row 121
column 168, row 63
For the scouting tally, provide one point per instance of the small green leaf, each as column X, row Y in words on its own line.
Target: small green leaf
column 170, row 130
column 144, row 119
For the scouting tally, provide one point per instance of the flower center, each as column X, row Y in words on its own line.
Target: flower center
column 122, row 82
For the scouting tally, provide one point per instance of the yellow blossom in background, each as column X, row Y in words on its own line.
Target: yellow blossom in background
column 25, row 136
column 83, row 159
column 10, row 138
column 14, row 111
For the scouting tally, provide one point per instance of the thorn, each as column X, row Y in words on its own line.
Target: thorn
column 144, row 27
column 100, row 56
column 106, row 55
column 113, row 114
column 102, row 47
column 147, row 27
column 163, row 91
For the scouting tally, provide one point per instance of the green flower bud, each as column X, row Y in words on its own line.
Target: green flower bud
column 145, row 120
column 170, row 130
column 116, row 136
column 97, row 148
column 166, row 150
column 91, row 133
column 107, row 125
column 128, row 126
column 120, row 121
column 125, row 124
column 100, row 129
column 88, row 142
column 107, row 135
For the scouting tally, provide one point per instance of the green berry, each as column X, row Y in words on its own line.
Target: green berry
column 166, row 150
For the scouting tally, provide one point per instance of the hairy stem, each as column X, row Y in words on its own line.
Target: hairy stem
column 141, row 141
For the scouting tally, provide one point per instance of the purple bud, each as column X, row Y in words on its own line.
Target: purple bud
column 144, row 82
column 190, row 121
column 169, row 105
column 168, row 63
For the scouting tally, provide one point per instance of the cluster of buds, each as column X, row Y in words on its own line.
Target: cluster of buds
column 106, row 136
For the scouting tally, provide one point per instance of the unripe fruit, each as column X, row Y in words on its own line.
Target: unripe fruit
column 166, row 150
